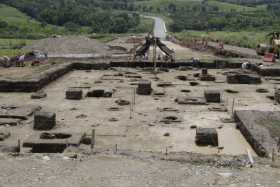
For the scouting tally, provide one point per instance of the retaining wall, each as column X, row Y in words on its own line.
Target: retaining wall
column 38, row 81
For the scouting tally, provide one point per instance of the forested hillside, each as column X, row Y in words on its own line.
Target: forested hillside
column 73, row 14
column 123, row 16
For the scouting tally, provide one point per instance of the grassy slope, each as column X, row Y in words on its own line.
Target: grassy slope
column 228, row 7
column 23, row 22
column 243, row 39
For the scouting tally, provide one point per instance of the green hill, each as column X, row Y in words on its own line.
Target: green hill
column 15, row 24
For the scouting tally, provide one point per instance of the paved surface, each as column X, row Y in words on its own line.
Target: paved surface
column 159, row 27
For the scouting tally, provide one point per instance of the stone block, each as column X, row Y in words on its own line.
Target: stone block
column 96, row 93
column 54, row 142
column 38, row 95
column 204, row 71
column 207, row 77
column 74, row 94
column 144, row 87
column 212, row 96
column 44, row 120
column 206, row 136
column 237, row 78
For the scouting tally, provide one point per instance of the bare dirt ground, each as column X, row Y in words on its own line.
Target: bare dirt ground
column 117, row 170
column 142, row 134
column 186, row 53
column 69, row 45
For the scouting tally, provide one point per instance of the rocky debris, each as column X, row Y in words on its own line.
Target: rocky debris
column 231, row 91
column 171, row 119
column 185, row 91
column 190, row 100
column 44, row 120
column 194, row 83
column 185, row 68
column 196, row 74
column 168, row 109
column 206, row 136
column 212, row 96
column 262, row 90
column 144, row 87
column 81, row 116
column 218, row 109
column 114, row 108
column 166, row 134
column 74, row 94
column 4, row 135
column 165, row 84
column 193, row 127
column 227, row 120
column 271, row 97
column 113, row 120
column 10, row 121
column 133, row 76
column 122, row 102
column 18, row 112
column 38, row 95
column 240, row 78
column 159, row 93
column 182, row 77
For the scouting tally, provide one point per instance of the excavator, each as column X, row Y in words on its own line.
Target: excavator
column 153, row 41
column 270, row 51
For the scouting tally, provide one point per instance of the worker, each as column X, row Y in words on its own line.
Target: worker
column 221, row 45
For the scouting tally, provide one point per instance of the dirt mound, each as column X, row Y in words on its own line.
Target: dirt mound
column 69, row 45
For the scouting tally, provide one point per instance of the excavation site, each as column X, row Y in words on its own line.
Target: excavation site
column 145, row 110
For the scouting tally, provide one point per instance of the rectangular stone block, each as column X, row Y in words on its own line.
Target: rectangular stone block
column 144, row 87
column 53, row 142
column 206, row 136
column 212, row 96
column 44, row 120
column 243, row 79
column 96, row 93
column 74, row 94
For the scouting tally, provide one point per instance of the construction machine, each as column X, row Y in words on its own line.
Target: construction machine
column 271, row 50
column 143, row 50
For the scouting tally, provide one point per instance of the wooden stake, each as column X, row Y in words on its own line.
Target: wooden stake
column 19, row 146
column 92, row 140
column 273, row 155
column 232, row 108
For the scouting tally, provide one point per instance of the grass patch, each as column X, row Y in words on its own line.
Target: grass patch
column 22, row 26
column 13, row 47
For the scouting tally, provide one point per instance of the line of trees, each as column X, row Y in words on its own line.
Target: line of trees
column 73, row 14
